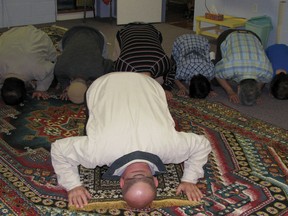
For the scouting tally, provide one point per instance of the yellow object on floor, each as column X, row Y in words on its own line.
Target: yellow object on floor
column 215, row 30
column 121, row 204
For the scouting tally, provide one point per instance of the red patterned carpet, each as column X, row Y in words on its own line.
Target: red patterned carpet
column 246, row 173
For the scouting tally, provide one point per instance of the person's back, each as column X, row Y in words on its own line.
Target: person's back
column 131, row 130
column 141, row 110
column 278, row 55
column 141, row 51
column 191, row 54
column 193, row 65
column 145, row 39
column 27, row 54
column 242, row 58
column 82, row 60
column 82, row 55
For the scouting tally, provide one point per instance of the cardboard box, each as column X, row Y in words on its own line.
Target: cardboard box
column 218, row 17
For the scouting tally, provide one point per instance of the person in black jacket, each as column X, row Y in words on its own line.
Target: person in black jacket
column 81, row 62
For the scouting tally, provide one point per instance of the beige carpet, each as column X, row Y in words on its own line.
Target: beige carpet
column 270, row 110
column 109, row 28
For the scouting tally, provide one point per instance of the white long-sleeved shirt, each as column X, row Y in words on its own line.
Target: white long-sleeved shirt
column 128, row 112
column 27, row 53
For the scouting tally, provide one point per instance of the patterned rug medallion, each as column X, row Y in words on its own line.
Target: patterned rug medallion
column 246, row 173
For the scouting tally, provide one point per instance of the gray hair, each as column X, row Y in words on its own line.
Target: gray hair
column 248, row 91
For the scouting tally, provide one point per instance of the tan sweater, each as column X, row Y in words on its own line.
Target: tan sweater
column 27, row 53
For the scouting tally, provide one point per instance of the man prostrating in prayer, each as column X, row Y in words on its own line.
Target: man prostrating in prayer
column 131, row 130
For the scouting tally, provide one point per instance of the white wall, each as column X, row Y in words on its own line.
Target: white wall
column 149, row 11
column 23, row 12
column 248, row 9
column 282, row 31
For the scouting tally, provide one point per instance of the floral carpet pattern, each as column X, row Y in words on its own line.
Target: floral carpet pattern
column 246, row 173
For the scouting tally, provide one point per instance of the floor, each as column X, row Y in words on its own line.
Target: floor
column 178, row 14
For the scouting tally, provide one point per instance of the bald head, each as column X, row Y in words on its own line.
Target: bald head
column 138, row 185
column 139, row 194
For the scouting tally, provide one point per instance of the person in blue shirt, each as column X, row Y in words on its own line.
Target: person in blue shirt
column 278, row 56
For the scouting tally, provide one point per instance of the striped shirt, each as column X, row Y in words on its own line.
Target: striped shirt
column 243, row 58
column 191, row 54
column 141, row 51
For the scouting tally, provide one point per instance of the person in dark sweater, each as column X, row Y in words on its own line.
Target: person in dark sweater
column 81, row 62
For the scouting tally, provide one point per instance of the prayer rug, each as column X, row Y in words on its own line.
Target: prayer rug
column 246, row 173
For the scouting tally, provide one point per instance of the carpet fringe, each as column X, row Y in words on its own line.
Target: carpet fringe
column 121, row 204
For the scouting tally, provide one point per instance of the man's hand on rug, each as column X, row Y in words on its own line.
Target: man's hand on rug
column 79, row 196
column 64, row 95
column 212, row 94
column 182, row 92
column 169, row 95
column 192, row 192
column 233, row 97
column 40, row 94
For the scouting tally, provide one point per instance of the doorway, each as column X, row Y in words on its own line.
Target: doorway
column 66, row 5
column 180, row 13
column 71, row 6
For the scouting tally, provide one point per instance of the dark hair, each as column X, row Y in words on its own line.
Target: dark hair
column 199, row 87
column 248, row 91
column 13, row 91
column 279, row 86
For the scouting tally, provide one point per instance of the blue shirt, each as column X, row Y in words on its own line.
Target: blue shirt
column 278, row 56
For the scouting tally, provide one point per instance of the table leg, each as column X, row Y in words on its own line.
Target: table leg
column 198, row 27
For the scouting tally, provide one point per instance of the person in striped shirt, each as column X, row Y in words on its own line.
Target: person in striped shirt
column 240, row 57
column 140, row 50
